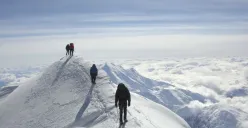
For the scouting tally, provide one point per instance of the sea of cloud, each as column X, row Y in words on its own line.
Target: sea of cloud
column 224, row 79
column 16, row 76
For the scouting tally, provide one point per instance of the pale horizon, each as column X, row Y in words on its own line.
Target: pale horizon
column 37, row 31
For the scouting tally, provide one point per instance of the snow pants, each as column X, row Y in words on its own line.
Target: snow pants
column 123, row 109
column 67, row 52
column 71, row 52
column 93, row 77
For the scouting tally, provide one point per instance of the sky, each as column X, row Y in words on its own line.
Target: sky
column 36, row 32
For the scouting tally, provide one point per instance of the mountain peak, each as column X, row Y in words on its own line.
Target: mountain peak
column 63, row 96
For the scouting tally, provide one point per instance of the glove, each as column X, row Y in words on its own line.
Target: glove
column 116, row 105
column 129, row 104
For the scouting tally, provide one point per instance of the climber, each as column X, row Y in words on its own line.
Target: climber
column 93, row 73
column 123, row 98
column 71, row 49
column 67, row 49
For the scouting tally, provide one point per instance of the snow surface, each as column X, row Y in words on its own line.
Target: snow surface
column 206, row 92
column 63, row 96
column 158, row 91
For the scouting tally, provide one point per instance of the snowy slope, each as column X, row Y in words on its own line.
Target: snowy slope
column 63, row 96
column 200, row 111
column 132, row 77
column 5, row 91
column 158, row 91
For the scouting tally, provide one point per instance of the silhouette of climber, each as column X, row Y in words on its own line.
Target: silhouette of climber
column 71, row 49
column 67, row 49
column 122, row 96
column 93, row 73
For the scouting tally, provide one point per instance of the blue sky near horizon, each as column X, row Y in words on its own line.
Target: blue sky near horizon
column 207, row 27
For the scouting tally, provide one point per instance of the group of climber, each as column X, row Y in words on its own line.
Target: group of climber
column 69, row 49
column 93, row 70
column 122, row 95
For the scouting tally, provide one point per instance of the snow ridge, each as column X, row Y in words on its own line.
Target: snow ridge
column 63, row 96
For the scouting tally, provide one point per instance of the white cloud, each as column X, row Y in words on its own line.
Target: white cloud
column 196, row 106
column 246, row 74
column 237, row 102
column 211, row 82
column 7, row 78
column 210, row 77
column 16, row 76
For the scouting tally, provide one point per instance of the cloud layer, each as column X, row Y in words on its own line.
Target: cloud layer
column 223, row 79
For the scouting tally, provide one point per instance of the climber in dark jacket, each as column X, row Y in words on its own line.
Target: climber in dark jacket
column 71, row 49
column 67, row 49
column 93, row 73
column 123, row 98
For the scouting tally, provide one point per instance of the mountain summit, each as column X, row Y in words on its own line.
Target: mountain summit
column 64, row 97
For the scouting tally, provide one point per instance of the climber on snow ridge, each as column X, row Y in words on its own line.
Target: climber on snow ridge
column 122, row 96
column 93, row 73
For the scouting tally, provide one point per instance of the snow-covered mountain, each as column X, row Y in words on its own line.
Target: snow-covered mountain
column 217, row 116
column 158, row 91
column 131, row 76
column 199, row 110
column 63, row 96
